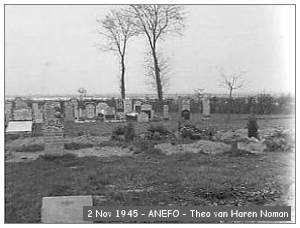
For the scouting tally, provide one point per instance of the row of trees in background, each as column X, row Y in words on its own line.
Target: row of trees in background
column 155, row 22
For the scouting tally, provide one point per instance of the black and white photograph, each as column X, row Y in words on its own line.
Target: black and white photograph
column 149, row 113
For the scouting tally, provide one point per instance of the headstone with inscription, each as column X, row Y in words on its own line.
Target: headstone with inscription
column 147, row 108
column 74, row 102
column 54, row 139
column 90, row 111
column 37, row 113
column 205, row 106
column 69, row 111
column 22, row 114
column 127, row 106
column 8, row 110
column 185, row 108
column 143, row 117
column 166, row 112
column 138, row 106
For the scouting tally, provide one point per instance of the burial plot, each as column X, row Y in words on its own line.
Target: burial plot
column 64, row 209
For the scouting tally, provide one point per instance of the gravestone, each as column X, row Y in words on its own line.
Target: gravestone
column 185, row 108
column 54, row 138
column 143, row 117
column 147, row 108
column 127, row 106
column 101, row 108
column 137, row 106
column 53, row 130
column 119, row 105
column 205, row 107
column 49, row 111
column 82, row 112
column 166, row 112
column 69, row 111
column 64, row 209
column 110, row 113
column 20, row 104
column 8, row 110
column 37, row 113
column 22, row 114
column 74, row 102
column 90, row 111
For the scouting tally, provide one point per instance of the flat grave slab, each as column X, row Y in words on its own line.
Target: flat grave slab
column 64, row 209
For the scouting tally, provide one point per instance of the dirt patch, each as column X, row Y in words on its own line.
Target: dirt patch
column 201, row 146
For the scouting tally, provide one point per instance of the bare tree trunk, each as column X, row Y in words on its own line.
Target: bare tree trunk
column 158, row 80
column 229, row 106
column 122, row 78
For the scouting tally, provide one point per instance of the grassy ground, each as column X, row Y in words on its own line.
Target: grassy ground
column 216, row 121
column 152, row 179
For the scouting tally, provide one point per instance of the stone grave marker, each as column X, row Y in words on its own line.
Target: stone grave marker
column 64, row 209
column 22, row 114
column 20, row 104
column 90, row 111
column 74, row 102
column 69, row 111
column 119, row 105
column 8, row 110
column 185, row 108
column 147, row 108
column 166, row 112
column 37, row 113
column 100, row 108
column 137, row 106
column 206, row 107
column 143, row 117
column 54, row 138
column 127, row 106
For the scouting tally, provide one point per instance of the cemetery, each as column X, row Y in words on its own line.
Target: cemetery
column 129, row 154
column 154, row 105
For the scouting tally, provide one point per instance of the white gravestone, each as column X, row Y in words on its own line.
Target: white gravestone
column 65, row 209
column 127, row 106
column 143, row 117
column 166, row 112
column 206, row 107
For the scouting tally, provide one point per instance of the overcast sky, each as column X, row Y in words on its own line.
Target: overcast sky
column 54, row 50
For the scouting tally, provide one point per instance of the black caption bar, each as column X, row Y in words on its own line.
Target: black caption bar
column 186, row 214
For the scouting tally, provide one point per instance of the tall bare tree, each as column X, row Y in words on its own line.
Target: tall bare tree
column 231, row 82
column 164, row 67
column 118, row 28
column 157, row 21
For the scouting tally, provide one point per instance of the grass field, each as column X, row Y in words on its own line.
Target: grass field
column 153, row 179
